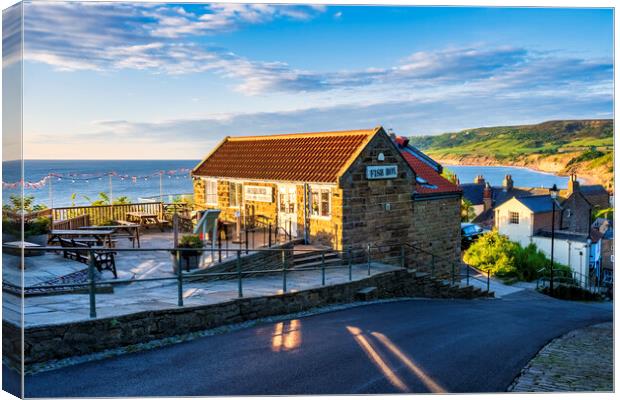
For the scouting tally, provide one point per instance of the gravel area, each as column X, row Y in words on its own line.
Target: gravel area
column 580, row 361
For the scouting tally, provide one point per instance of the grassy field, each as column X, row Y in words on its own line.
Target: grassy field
column 513, row 141
column 584, row 146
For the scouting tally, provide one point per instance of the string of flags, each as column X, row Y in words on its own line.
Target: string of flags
column 74, row 177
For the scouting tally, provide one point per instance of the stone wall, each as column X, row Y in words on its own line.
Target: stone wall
column 267, row 209
column 69, row 339
column 437, row 229
column 11, row 345
column 378, row 211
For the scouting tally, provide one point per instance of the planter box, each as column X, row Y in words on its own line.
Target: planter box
column 189, row 260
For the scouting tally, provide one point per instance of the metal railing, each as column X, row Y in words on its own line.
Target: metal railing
column 575, row 279
column 285, row 255
column 396, row 255
column 455, row 277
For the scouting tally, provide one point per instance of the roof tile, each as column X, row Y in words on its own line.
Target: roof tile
column 305, row 157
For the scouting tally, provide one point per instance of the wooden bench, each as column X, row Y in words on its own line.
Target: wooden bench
column 104, row 260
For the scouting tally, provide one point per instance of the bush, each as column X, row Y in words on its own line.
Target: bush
column 190, row 242
column 501, row 257
column 492, row 253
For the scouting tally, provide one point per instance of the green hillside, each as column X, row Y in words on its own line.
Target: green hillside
column 513, row 141
column 581, row 146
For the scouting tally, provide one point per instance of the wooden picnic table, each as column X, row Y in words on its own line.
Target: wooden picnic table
column 101, row 235
column 131, row 231
column 145, row 219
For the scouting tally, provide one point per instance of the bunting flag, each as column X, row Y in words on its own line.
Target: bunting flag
column 74, row 177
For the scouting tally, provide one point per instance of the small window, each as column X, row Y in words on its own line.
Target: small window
column 513, row 217
column 211, row 192
column 234, row 194
column 325, row 203
column 321, row 202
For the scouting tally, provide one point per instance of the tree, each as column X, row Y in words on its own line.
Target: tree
column 449, row 175
column 492, row 253
column 467, row 210
column 122, row 200
column 607, row 213
column 501, row 257
column 103, row 200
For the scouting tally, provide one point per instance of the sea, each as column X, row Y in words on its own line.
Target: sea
column 87, row 178
column 521, row 176
column 136, row 179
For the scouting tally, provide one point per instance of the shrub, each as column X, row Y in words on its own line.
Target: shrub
column 492, row 253
column 190, row 242
column 501, row 257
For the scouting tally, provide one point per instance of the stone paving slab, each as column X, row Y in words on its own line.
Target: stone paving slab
column 138, row 296
column 580, row 361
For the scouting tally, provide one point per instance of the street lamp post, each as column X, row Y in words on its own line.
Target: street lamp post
column 553, row 192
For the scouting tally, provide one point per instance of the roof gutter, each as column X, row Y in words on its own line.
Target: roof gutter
column 435, row 196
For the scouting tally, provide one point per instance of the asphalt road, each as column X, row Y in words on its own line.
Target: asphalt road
column 410, row 346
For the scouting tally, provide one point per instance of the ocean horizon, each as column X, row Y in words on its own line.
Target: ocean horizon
column 140, row 178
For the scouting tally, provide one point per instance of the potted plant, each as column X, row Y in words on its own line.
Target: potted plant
column 189, row 259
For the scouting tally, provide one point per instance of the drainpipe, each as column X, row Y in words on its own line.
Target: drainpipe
column 305, row 213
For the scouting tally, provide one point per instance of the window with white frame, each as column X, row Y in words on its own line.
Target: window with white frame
column 211, row 192
column 513, row 217
column 234, row 194
column 321, row 202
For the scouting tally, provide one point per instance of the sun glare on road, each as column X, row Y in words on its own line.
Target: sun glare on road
column 426, row 380
column 376, row 358
column 286, row 336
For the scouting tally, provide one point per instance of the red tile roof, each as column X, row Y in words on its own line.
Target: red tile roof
column 425, row 168
column 305, row 157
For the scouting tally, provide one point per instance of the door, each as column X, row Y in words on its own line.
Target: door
column 287, row 208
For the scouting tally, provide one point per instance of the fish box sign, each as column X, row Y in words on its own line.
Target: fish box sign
column 259, row 193
column 381, row 171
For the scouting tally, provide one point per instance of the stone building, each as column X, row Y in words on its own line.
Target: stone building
column 344, row 189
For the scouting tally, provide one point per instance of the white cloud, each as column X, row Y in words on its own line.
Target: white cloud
column 160, row 39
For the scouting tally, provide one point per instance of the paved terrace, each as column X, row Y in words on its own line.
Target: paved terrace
column 143, row 296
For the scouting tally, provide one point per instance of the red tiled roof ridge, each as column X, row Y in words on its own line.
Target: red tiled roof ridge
column 306, row 157
column 305, row 134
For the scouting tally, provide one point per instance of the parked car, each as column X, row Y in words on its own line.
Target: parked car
column 469, row 233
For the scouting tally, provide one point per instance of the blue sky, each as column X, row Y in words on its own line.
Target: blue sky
column 169, row 81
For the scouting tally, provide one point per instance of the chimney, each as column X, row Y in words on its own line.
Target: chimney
column 507, row 183
column 487, row 199
column 573, row 184
column 479, row 180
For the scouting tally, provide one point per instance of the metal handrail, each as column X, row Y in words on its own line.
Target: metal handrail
column 180, row 276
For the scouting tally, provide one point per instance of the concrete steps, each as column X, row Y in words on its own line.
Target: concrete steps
column 442, row 288
column 314, row 259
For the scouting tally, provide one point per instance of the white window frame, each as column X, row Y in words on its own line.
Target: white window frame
column 511, row 214
column 210, row 196
column 239, row 197
column 321, row 189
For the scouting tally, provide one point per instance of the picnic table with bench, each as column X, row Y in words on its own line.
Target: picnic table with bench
column 123, row 229
column 91, row 236
column 103, row 259
column 146, row 219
